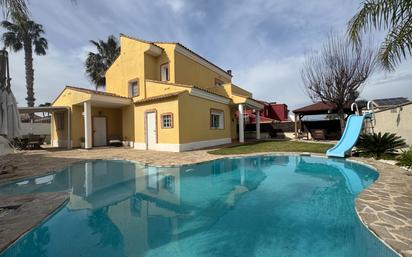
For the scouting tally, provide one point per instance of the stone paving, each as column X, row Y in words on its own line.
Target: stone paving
column 385, row 207
column 21, row 213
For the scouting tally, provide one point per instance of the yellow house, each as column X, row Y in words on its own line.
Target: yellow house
column 158, row 96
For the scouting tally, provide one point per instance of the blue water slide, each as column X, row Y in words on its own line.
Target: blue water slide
column 350, row 136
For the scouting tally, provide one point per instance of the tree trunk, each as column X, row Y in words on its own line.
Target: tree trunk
column 341, row 115
column 28, row 59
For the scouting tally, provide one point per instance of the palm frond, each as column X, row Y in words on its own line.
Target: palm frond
column 98, row 62
column 14, row 7
column 377, row 144
column 397, row 45
column 392, row 15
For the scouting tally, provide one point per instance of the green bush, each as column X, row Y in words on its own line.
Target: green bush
column 405, row 159
column 378, row 144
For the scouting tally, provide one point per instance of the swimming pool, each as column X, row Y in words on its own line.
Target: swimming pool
column 255, row 206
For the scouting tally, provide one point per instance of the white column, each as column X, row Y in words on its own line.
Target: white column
column 87, row 113
column 257, row 124
column 69, row 128
column 241, row 124
column 88, row 178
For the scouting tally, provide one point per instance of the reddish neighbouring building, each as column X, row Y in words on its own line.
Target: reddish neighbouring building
column 270, row 112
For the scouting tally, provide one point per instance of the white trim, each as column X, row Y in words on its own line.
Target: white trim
column 254, row 104
column 184, row 147
column 199, row 60
column 60, row 143
column 110, row 99
column 203, row 144
column 154, row 50
column 209, row 96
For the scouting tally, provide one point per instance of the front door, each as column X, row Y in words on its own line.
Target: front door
column 151, row 130
column 99, row 131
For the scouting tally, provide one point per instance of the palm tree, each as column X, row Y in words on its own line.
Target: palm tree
column 392, row 15
column 25, row 34
column 14, row 6
column 97, row 63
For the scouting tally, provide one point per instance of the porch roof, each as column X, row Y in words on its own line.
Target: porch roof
column 98, row 98
column 319, row 108
column 247, row 101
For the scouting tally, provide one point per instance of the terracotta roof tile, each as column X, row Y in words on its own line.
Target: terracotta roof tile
column 160, row 97
column 96, row 92
column 318, row 107
column 187, row 86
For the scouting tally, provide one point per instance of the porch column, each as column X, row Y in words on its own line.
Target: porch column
column 69, row 128
column 87, row 113
column 257, row 124
column 88, row 178
column 241, row 124
column 296, row 126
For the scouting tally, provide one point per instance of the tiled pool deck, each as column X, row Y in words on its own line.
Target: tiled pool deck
column 385, row 207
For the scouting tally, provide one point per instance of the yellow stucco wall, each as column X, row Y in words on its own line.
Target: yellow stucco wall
column 194, row 119
column 128, row 66
column 191, row 114
column 165, row 136
column 397, row 120
column 128, row 123
column 134, row 63
column 193, row 73
column 160, row 88
column 74, row 100
column 70, row 98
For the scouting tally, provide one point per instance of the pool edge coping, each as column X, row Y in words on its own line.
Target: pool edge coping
column 218, row 157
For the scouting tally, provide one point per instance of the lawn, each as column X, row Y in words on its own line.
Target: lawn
column 273, row 146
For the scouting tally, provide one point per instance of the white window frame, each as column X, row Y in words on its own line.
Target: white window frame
column 131, row 83
column 169, row 123
column 167, row 65
column 220, row 119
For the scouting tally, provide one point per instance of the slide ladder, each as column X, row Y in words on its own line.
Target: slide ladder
column 350, row 135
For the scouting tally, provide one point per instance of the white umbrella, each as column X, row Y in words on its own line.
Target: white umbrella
column 10, row 124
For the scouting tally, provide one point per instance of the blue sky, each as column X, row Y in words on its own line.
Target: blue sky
column 263, row 42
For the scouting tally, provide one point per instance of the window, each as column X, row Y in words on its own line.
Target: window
column 218, row 82
column 216, row 119
column 134, row 88
column 164, row 72
column 169, row 183
column 167, row 120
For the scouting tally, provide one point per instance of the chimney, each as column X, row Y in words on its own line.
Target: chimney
column 229, row 72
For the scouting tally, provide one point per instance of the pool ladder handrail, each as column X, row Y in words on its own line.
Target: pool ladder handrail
column 353, row 106
column 371, row 111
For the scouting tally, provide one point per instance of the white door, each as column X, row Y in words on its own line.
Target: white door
column 151, row 132
column 99, row 131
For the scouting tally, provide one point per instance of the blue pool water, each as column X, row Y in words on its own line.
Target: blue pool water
column 257, row 206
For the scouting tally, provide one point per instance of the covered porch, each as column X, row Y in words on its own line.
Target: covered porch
column 241, row 104
column 323, row 123
column 94, row 118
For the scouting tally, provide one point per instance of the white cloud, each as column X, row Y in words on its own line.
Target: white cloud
column 275, row 80
column 51, row 73
column 263, row 42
